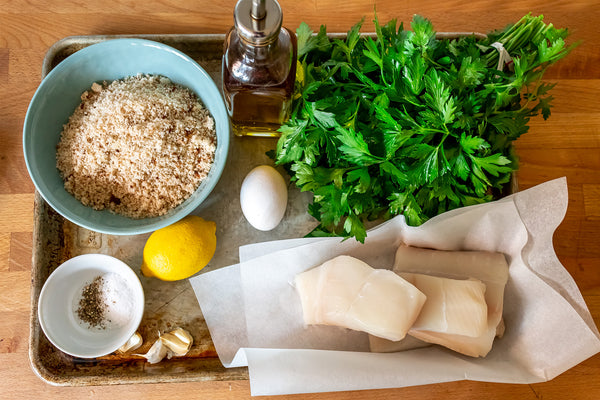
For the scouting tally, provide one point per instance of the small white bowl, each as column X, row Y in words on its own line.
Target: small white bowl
column 59, row 300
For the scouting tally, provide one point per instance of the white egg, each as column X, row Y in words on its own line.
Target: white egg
column 263, row 197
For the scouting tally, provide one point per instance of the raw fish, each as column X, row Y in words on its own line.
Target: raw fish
column 347, row 292
column 488, row 267
column 341, row 280
column 307, row 284
column 385, row 306
column 453, row 306
column 380, row 345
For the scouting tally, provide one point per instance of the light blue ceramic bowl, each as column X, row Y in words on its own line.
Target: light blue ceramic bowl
column 59, row 94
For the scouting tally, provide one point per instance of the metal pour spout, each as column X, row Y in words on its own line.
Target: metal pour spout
column 258, row 21
column 259, row 10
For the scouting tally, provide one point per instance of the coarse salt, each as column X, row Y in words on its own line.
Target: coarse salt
column 119, row 300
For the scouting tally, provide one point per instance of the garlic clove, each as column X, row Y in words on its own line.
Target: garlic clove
column 178, row 341
column 133, row 343
column 157, row 352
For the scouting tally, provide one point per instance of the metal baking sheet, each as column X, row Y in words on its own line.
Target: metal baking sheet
column 168, row 304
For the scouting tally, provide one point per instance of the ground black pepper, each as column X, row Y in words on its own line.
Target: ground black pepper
column 92, row 308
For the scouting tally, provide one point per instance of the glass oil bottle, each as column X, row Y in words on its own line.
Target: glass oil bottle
column 259, row 69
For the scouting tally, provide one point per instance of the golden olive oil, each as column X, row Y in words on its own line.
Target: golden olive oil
column 258, row 69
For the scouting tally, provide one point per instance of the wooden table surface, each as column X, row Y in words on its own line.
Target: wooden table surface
column 568, row 144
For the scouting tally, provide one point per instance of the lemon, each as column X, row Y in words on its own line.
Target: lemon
column 180, row 250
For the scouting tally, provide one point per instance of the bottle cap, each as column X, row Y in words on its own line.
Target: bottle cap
column 258, row 21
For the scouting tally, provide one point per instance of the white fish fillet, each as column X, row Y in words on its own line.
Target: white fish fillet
column 385, row 306
column 347, row 292
column 490, row 268
column 341, row 280
column 453, row 306
column 307, row 284
column 380, row 345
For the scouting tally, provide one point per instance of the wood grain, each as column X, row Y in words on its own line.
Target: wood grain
column 568, row 144
column 17, row 212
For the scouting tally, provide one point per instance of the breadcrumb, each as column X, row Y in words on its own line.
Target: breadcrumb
column 137, row 146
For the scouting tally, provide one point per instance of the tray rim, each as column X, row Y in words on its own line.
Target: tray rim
column 91, row 39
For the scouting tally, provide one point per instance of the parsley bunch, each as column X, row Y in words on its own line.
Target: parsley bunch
column 407, row 123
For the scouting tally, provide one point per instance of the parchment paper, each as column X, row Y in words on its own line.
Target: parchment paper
column 255, row 317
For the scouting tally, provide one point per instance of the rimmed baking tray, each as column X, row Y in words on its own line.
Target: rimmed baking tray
column 168, row 304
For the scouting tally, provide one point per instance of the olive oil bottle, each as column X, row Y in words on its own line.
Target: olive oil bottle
column 259, row 69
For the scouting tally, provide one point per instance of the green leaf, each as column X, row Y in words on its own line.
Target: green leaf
column 426, row 169
column 354, row 147
column 289, row 146
column 413, row 75
column 327, row 119
column 470, row 74
column 303, row 34
column 461, row 167
column 494, row 164
column 405, row 203
column 393, row 141
column 354, row 34
column 472, row 144
column 384, row 116
column 544, row 105
column 370, row 83
column 420, row 151
column 437, row 96
column 362, row 176
column 304, row 176
column 308, row 42
column 372, row 52
column 397, row 202
column 544, row 88
column 511, row 124
column 330, row 209
column 395, row 173
column 354, row 227
column 423, row 31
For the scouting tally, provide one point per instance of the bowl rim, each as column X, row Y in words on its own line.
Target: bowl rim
column 80, row 262
column 223, row 143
